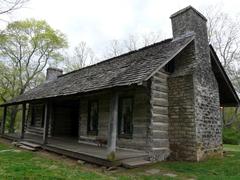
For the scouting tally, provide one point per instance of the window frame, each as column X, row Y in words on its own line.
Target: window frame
column 120, row 104
column 34, row 108
column 92, row 132
column 170, row 66
column 32, row 120
column 43, row 115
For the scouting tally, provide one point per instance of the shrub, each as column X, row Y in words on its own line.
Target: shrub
column 231, row 136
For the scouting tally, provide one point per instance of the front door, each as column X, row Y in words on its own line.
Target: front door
column 66, row 119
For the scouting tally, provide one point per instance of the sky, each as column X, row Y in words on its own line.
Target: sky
column 99, row 21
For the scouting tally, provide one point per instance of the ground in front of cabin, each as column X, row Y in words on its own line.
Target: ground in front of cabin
column 19, row 164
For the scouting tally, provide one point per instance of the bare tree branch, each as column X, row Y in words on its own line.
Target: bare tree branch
column 82, row 56
column 223, row 34
column 8, row 6
column 132, row 43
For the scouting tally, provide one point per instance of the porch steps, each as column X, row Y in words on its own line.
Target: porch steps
column 28, row 146
column 133, row 163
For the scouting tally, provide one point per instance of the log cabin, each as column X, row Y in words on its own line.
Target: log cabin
column 160, row 102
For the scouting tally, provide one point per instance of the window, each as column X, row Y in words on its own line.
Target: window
column 169, row 67
column 43, row 116
column 32, row 116
column 93, row 118
column 125, row 125
column 37, row 115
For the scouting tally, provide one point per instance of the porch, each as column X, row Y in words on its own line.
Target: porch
column 84, row 151
column 74, row 126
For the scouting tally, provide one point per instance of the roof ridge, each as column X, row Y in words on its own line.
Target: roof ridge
column 121, row 55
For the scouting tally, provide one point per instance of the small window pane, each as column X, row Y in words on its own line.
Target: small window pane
column 125, row 116
column 93, row 118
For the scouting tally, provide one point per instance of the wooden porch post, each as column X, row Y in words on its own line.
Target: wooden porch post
column 23, row 120
column 3, row 120
column 46, row 123
column 112, row 127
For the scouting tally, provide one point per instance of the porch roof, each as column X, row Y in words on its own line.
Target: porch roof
column 134, row 67
column 227, row 93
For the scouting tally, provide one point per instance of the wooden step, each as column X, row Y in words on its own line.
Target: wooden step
column 29, row 144
column 27, row 148
column 132, row 163
column 137, row 158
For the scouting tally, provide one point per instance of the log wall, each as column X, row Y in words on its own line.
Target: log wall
column 158, row 129
column 141, row 116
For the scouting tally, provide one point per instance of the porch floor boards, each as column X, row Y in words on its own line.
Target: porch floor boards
column 71, row 147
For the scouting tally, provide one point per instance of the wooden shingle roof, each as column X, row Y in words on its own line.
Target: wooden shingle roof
column 131, row 68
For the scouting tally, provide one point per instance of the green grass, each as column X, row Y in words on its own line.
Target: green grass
column 15, row 164
column 229, row 147
column 227, row 167
column 19, row 164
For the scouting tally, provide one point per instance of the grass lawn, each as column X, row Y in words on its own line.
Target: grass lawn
column 19, row 164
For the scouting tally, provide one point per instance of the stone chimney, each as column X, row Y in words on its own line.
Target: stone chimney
column 53, row 73
column 189, row 20
column 197, row 104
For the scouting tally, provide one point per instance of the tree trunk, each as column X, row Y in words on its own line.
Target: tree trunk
column 13, row 114
column 228, row 123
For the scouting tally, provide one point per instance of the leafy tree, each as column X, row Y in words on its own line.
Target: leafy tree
column 26, row 48
column 231, row 119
